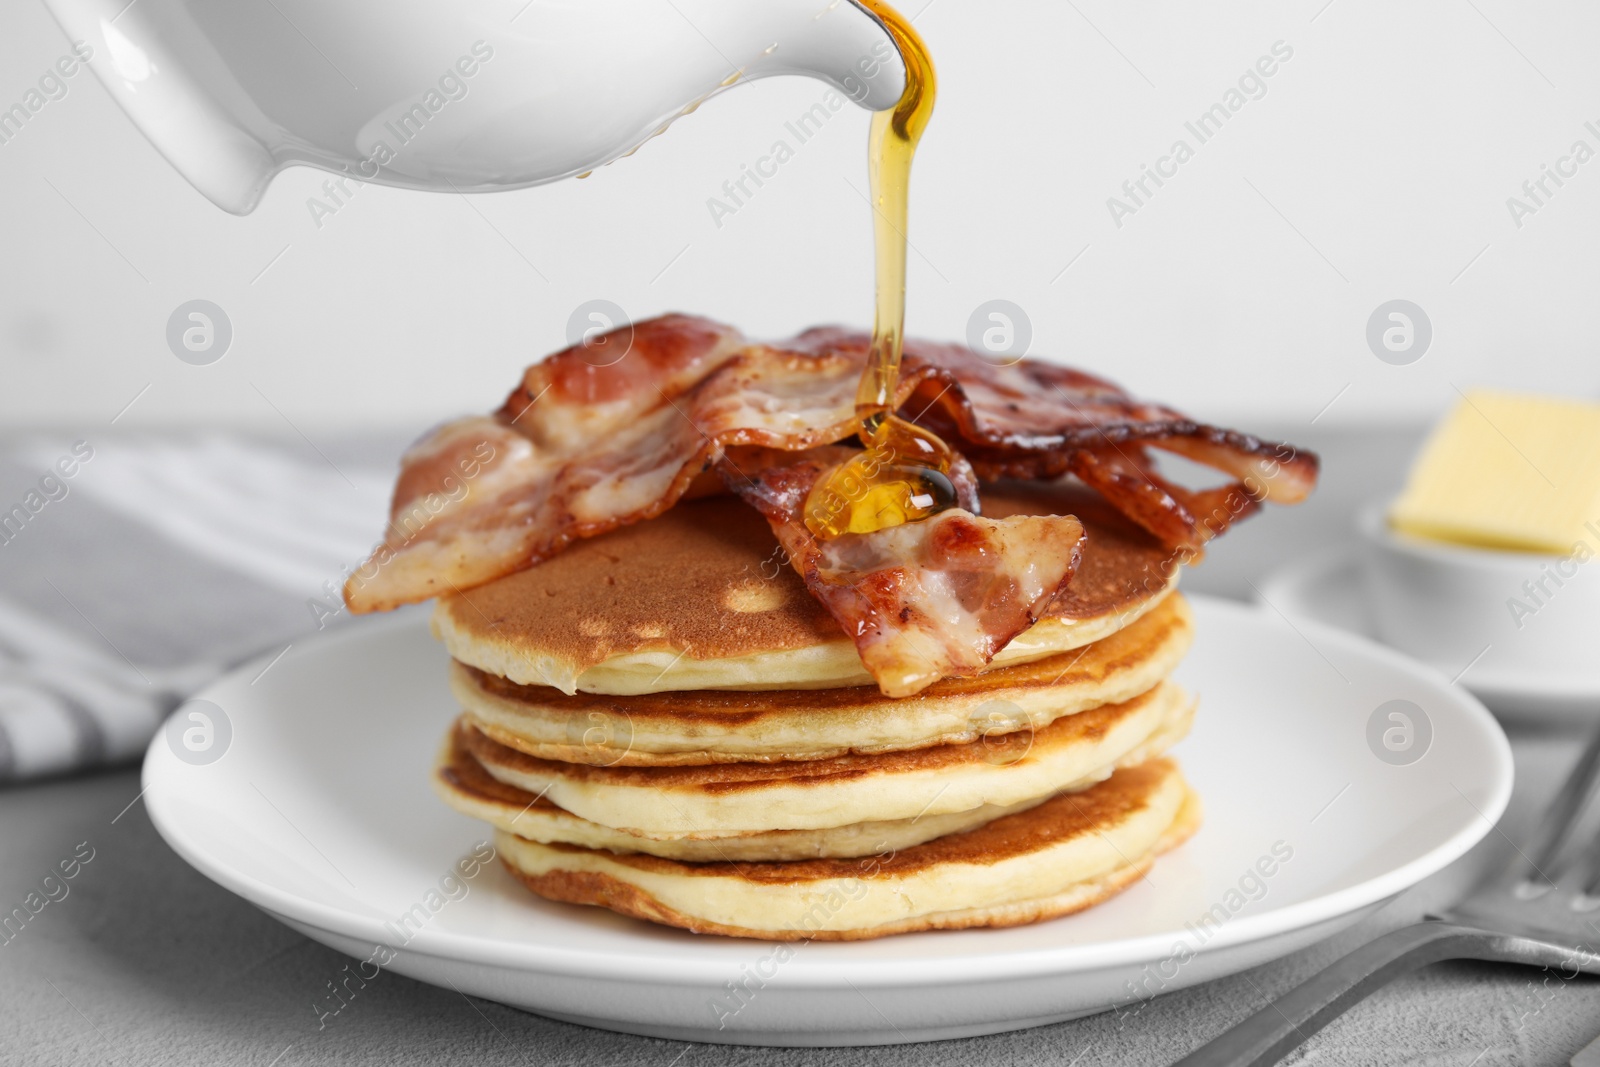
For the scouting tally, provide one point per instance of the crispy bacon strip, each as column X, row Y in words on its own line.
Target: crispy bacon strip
column 925, row 600
column 618, row 430
column 595, row 437
column 1036, row 420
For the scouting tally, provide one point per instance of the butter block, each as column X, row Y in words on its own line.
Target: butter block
column 1508, row 471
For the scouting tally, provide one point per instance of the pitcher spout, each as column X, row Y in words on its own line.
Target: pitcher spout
column 844, row 44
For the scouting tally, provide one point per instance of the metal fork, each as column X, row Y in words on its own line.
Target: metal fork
column 1537, row 911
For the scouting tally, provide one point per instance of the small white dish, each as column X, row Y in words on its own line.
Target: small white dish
column 1332, row 589
column 1523, row 613
column 319, row 812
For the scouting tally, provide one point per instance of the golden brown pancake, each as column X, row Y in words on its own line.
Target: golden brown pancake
column 736, row 799
column 724, row 726
column 1058, row 857
column 701, row 598
column 463, row 784
column 663, row 721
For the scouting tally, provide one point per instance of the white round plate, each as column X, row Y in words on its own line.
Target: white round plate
column 1327, row 589
column 319, row 812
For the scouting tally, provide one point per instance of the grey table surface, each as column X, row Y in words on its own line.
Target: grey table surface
column 146, row 962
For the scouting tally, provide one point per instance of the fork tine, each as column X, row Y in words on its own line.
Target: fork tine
column 1587, row 878
column 1561, row 817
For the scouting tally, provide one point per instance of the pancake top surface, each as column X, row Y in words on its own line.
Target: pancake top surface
column 708, row 579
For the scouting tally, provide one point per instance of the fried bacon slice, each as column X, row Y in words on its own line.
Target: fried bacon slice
column 594, row 437
column 619, row 429
column 922, row 601
column 1033, row 420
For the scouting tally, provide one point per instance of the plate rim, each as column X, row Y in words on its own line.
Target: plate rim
column 801, row 972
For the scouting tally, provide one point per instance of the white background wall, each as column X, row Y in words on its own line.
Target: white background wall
column 1377, row 166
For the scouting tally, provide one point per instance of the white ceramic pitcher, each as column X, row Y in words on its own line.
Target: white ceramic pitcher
column 451, row 95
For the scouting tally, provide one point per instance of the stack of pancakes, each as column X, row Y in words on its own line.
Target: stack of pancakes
column 664, row 722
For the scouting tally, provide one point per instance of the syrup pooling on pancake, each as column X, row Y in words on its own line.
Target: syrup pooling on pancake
column 922, row 601
column 579, row 449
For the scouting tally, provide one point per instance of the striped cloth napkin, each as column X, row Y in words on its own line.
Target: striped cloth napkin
column 133, row 570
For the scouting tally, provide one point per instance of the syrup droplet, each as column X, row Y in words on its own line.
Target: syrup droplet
column 903, row 475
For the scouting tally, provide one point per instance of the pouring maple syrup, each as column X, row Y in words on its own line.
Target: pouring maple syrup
column 902, row 475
